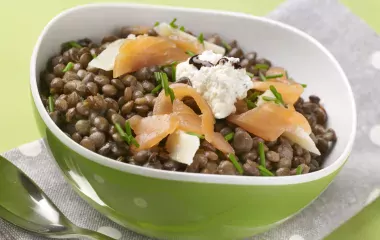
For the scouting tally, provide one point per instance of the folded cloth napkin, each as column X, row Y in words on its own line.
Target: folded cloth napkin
column 357, row 48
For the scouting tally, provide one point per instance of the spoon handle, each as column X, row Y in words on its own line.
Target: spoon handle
column 92, row 235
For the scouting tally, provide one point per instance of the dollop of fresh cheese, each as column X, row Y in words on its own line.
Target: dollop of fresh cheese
column 165, row 30
column 220, row 85
column 106, row 59
column 182, row 146
column 297, row 135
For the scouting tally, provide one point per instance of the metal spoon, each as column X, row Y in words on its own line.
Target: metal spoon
column 25, row 205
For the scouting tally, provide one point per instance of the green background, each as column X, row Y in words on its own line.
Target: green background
column 22, row 21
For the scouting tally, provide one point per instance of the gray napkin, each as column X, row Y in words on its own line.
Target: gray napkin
column 354, row 44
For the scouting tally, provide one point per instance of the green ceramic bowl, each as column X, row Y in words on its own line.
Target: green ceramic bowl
column 174, row 205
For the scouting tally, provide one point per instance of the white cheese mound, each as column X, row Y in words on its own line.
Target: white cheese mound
column 220, row 85
column 182, row 146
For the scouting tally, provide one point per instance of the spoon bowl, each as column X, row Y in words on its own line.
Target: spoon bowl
column 25, row 205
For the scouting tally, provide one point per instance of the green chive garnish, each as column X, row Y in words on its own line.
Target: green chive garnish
column 261, row 66
column 226, row 45
column 68, row 67
column 128, row 129
column 262, row 154
column 172, row 23
column 156, row 24
column 173, row 71
column 93, row 55
column 253, row 96
column 262, row 77
column 229, row 136
column 51, row 104
column 200, row 136
column 304, row 85
column 250, row 75
column 190, row 53
column 134, row 142
column 201, row 38
column 268, row 99
column 277, row 94
column 299, row 170
column 120, row 130
column 126, row 136
column 182, row 28
column 163, row 78
column 234, row 161
column 264, row 171
column 250, row 104
column 157, row 89
column 274, row 76
column 74, row 44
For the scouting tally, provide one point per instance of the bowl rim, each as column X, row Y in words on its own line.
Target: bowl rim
column 180, row 176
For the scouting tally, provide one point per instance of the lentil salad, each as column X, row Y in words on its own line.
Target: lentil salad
column 92, row 107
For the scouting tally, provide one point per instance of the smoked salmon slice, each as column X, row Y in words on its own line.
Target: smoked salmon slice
column 188, row 118
column 290, row 92
column 189, row 121
column 151, row 130
column 269, row 121
column 163, row 105
column 187, row 45
column 145, row 51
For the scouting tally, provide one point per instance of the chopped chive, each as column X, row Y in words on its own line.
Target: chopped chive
column 274, row 76
column 268, row 99
column 161, row 76
column 120, row 130
column 51, row 104
column 134, row 142
column 126, row 136
column 234, row 161
column 156, row 24
column 68, row 67
column 286, row 74
column 250, row 75
column 128, row 129
column 304, row 85
column 254, row 96
column 264, row 171
column 229, row 136
column 171, row 94
column 201, row 38
column 200, row 136
column 250, row 104
column 172, row 23
column 173, row 72
column 182, row 28
column 262, row 154
column 299, row 170
column 261, row 66
column 277, row 94
column 226, row 45
column 190, row 53
column 157, row 89
column 93, row 55
column 262, row 77
column 74, row 44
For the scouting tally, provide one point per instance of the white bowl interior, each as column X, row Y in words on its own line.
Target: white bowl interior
column 306, row 61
